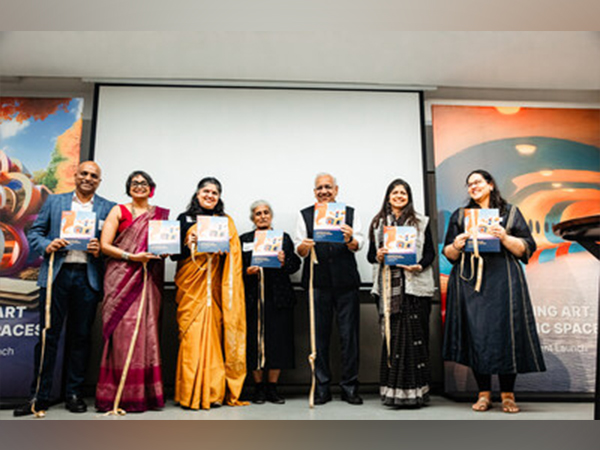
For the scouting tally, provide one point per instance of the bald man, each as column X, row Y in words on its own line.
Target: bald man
column 76, row 288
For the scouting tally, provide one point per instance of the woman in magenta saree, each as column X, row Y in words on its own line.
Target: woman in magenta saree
column 131, row 308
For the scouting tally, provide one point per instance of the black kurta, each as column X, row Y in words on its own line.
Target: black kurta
column 279, row 308
column 492, row 331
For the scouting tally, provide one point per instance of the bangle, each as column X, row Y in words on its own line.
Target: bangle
column 125, row 256
column 350, row 241
column 456, row 248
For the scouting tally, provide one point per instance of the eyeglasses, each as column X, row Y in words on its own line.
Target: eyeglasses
column 142, row 184
column 475, row 183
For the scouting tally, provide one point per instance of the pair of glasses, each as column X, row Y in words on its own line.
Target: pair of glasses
column 141, row 184
column 475, row 183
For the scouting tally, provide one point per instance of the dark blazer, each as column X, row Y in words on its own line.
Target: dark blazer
column 46, row 228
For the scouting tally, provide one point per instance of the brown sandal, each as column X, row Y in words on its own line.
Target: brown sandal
column 508, row 403
column 483, row 403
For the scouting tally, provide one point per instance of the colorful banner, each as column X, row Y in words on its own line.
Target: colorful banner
column 547, row 162
column 39, row 153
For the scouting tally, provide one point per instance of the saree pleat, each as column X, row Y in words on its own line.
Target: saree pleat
column 123, row 287
column 211, row 365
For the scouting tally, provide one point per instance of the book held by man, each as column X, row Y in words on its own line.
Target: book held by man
column 164, row 237
column 267, row 245
column 478, row 223
column 78, row 228
column 329, row 218
column 401, row 244
column 213, row 234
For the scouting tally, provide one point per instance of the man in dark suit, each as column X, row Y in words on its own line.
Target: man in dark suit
column 336, row 285
column 76, row 290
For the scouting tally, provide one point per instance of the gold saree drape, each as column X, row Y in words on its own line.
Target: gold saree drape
column 211, row 367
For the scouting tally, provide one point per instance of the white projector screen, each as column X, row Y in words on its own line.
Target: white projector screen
column 261, row 144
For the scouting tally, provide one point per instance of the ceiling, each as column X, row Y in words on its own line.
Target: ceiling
column 473, row 59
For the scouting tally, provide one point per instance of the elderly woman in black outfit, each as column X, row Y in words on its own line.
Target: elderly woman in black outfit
column 491, row 329
column 405, row 374
column 278, row 315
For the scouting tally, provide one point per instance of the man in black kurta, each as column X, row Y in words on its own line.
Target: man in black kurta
column 336, row 285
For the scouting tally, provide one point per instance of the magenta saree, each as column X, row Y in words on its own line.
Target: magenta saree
column 123, row 286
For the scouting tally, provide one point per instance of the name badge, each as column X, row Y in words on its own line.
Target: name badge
column 248, row 246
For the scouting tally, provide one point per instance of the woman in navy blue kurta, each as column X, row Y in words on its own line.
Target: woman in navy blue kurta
column 492, row 330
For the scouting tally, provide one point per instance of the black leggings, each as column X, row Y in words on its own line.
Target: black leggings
column 507, row 382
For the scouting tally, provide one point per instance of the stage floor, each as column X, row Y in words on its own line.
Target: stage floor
column 296, row 408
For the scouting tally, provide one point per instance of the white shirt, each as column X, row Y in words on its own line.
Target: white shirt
column 79, row 256
column 301, row 233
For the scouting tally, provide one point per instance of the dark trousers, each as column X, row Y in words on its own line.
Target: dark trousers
column 507, row 382
column 344, row 304
column 74, row 300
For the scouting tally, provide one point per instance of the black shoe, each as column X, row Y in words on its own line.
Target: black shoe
column 322, row 398
column 260, row 397
column 27, row 409
column 273, row 396
column 75, row 404
column 352, row 398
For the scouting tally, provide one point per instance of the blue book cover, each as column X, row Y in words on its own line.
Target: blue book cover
column 267, row 245
column 329, row 218
column 164, row 237
column 213, row 234
column 478, row 223
column 401, row 244
column 78, row 227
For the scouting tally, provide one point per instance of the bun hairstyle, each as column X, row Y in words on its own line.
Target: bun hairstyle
column 146, row 176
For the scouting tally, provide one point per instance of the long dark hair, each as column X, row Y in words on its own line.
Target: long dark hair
column 496, row 199
column 408, row 216
column 194, row 207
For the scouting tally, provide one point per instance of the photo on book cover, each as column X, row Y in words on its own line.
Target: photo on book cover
column 78, row 227
column 478, row 223
column 401, row 244
column 267, row 245
column 164, row 237
column 213, row 234
column 329, row 218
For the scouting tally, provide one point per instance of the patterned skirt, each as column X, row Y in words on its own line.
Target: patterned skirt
column 405, row 376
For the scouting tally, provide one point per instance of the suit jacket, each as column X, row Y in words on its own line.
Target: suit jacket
column 46, row 228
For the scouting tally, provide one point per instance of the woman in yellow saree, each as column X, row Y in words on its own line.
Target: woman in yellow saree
column 211, row 367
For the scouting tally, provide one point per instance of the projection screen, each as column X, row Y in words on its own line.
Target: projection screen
column 261, row 143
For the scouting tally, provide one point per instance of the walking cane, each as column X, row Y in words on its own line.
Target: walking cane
column 41, row 414
column 260, row 321
column 313, row 340
column 386, row 312
column 116, row 411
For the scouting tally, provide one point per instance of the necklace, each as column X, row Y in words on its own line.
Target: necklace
column 134, row 214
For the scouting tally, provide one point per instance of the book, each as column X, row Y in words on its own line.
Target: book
column 267, row 245
column 329, row 218
column 478, row 222
column 213, row 234
column 78, row 227
column 164, row 237
column 401, row 244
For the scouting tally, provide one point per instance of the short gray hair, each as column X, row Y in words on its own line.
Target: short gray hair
column 325, row 174
column 256, row 204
